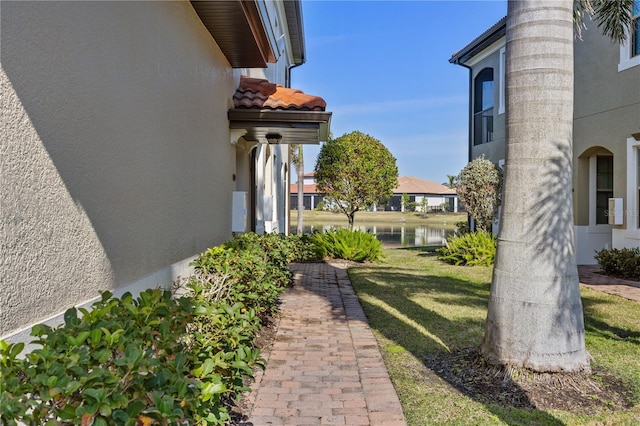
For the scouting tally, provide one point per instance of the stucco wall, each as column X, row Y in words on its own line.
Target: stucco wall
column 606, row 112
column 115, row 156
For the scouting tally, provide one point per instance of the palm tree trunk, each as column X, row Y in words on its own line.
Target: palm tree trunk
column 300, row 170
column 535, row 318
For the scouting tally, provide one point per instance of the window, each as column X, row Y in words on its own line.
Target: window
column 604, row 187
column 630, row 49
column 501, row 81
column 635, row 30
column 637, row 207
column 483, row 107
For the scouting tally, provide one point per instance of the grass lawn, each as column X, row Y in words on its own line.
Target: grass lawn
column 420, row 308
column 312, row 217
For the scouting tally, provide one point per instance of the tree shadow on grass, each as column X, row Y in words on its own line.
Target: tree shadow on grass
column 603, row 329
column 425, row 251
column 445, row 346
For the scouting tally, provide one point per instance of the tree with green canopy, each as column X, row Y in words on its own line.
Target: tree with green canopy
column 479, row 186
column 355, row 172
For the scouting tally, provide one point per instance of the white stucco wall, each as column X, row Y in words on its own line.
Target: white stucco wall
column 115, row 161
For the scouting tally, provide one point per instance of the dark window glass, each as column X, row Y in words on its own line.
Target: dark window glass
column 635, row 30
column 604, row 187
column 483, row 100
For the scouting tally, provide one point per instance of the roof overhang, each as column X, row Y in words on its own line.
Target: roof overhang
column 293, row 12
column 484, row 40
column 295, row 127
column 238, row 27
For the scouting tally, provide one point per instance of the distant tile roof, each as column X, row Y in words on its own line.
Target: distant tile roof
column 406, row 184
column 258, row 93
column 414, row 185
column 310, row 188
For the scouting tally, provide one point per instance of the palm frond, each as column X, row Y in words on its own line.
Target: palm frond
column 613, row 17
column 582, row 8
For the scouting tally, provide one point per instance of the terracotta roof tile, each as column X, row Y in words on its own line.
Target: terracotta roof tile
column 258, row 93
column 309, row 188
column 414, row 185
column 406, row 184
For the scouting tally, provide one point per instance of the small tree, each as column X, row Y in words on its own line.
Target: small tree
column 355, row 171
column 407, row 204
column 451, row 181
column 424, row 206
column 479, row 185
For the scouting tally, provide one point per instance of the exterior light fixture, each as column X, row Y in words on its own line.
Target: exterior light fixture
column 273, row 138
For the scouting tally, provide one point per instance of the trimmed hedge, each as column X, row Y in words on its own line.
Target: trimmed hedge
column 159, row 358
column 623, row 263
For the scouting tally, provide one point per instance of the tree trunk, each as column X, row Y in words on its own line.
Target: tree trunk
column 351, row 216
column 535, row 318
column 300, row 170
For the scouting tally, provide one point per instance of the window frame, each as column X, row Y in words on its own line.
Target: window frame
column 629, row 59
column 501, row 81
column 485, row 115
column 602, row 219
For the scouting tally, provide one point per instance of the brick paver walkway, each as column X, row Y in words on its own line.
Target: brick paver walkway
column 589, row 277
column 325, row 367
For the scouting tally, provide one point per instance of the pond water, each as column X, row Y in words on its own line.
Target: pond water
column 394, row 235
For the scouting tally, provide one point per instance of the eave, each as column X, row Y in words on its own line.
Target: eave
column 293, row 12
column 295, row 127
column 239, row 29
column 484, row 40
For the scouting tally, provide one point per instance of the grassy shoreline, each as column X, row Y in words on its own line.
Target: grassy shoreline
column 314, row 217
column 421, row 309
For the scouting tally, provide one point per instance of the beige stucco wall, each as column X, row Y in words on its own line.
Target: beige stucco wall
column 606, row 113
column 115, row 154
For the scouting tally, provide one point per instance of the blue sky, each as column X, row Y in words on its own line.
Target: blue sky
column 383, row 69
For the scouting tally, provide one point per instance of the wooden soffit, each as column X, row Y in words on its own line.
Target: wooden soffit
column 239, row 29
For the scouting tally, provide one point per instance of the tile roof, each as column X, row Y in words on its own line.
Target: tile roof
column 258, row 93
column 406, row 184
column 414, row 185
column 310, row 188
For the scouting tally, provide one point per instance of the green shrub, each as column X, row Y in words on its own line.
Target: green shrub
column 158, row 358
column 355, row 245
column 462, row 227
column 126, row 361
column 623, row 263
column 471, row 248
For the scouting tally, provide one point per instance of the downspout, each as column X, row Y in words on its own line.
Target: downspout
column 287, row 78
column 470, row 118
column 470, row 130
column 300, row 186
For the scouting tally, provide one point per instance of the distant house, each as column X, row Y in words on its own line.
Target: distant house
column 134, row 136
column 424, row 195
column 606, row 129
column 311, row 195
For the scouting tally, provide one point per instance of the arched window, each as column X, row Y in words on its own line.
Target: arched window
column 483, row 100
